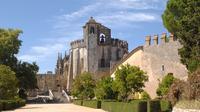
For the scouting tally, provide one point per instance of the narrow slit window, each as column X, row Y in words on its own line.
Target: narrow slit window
column 92, row 30
column 163, row 68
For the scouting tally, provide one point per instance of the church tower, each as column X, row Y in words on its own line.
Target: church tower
column 96, row 53
column 97, row 40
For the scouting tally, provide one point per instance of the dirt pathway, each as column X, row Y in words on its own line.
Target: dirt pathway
column 55, row 108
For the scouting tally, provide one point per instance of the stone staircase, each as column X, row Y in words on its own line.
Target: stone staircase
column 61, row 97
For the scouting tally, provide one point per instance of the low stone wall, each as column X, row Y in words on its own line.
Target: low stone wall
column 184, row 110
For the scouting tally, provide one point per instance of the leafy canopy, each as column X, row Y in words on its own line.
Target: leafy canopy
column 8, row 83
column 104, row 89
column 129, row 79
column 182, row 18
column 83, row 86
column 164, row 86
column 26, row 74
column 9, row 46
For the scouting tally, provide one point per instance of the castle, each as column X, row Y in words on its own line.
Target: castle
column 96, row 53
column 100, row 54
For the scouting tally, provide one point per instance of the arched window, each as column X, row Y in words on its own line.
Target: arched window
column 91, row 30
column 102, row 38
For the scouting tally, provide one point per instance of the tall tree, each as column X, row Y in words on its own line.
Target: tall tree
column 182, row 18
column 9, row 46
column 129, row 79
column 104, row 90
column 8, row 83
column 26, row 74
column 83, row 86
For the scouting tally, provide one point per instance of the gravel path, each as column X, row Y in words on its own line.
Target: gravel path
column 55, row 108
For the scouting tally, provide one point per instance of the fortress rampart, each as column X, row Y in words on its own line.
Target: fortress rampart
column 77, row 43
column 163, row 40
column 119, row 43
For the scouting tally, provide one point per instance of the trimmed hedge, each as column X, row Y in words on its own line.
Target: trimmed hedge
column 165, row 106
column 142, row 106
column 154, row 106
column 159, row 106
column 1, row 106
column 78, row 102
column 88, row 103
column 92, row 103
column 132, row 106
column 11, row 104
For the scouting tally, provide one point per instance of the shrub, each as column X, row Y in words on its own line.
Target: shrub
column 142, row 106
column 165, row 106
column 92, row 103
column 128, row 79
column 178, row 91
column 194, row 85
column 8, row 83
column 78, row 102
column 104, row 89
column 154, row 106
column 83, row 86
column 12, row 104
column 145, row 96
column 164, row 86
column 1, row 106
column 133, row 106
column 21, row 103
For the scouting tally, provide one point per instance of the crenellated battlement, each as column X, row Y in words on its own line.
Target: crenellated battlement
column 163, row 39
column 119, row 43
column 77, row 43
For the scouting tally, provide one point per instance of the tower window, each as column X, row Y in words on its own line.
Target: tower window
column 118, row 54
column 103, row 62
column 102, row 38
column 163, row 68
column 92, row 30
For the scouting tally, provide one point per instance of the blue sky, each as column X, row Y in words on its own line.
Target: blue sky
column 49, row 25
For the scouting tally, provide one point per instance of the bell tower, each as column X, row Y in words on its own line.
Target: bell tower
column 90, row 31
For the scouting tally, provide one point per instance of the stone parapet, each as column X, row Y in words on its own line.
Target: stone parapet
column 119, row 43
column 163, row 39
column 77, row 43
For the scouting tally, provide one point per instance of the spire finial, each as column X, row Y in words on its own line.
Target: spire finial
column 92, row 20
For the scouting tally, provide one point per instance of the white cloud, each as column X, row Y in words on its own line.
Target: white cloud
column 41, row 53
column 109, row 12
column 126, row 17
column 28, row 58
column 135, row 4
column 80, row 13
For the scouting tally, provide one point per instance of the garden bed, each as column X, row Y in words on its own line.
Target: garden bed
column 11, row 104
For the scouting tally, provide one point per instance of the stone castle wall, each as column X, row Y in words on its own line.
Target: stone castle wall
column 157, row 60
column 46, row 81
column 160, row 59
